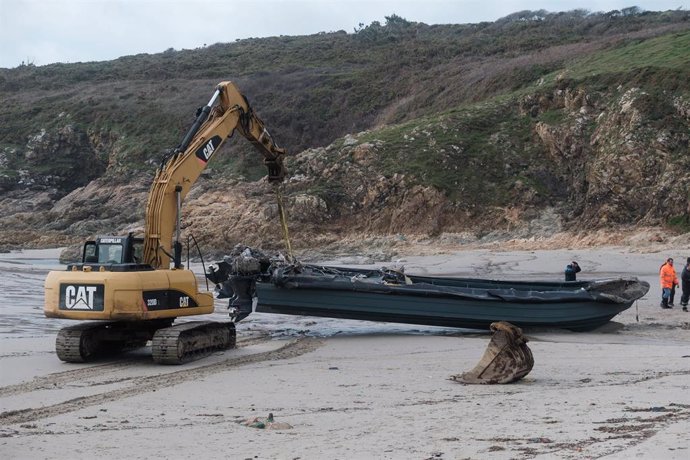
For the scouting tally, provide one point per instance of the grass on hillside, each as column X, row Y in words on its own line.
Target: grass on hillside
column 670, row 51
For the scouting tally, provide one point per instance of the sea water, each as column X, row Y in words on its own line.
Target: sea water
column 23, row 273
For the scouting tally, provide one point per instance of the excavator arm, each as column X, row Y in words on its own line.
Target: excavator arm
column 227, row 111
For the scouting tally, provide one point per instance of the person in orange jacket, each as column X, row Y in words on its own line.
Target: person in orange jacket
column 669, row 281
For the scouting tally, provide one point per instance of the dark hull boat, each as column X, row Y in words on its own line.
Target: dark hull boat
column 386, row 295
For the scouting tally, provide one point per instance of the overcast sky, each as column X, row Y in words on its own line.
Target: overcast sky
column 47, row 31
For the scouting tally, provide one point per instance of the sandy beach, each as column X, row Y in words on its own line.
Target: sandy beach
column 353, row 390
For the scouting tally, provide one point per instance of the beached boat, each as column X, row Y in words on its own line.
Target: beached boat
column 392, row 296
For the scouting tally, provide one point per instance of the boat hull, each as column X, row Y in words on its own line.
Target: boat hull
column 433, row 311
column 449, row 302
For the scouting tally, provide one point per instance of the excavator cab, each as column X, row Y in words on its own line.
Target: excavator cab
column 114, row 250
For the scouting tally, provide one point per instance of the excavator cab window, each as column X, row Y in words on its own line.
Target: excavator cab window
column 136, row 250
column 109, row 253
column 90, row 253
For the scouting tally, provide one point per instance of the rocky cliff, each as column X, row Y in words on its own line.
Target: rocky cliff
column 601, row 161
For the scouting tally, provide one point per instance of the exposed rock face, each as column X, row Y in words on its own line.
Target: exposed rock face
column 621, row 165
column 51, row 165
column 360, row 200
column 643, row 168
column 63, row 159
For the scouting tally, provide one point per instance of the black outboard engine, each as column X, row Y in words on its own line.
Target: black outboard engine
column 244, row 299
column 235, row 279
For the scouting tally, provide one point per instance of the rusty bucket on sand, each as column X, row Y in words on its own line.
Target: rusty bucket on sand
column 506, row 359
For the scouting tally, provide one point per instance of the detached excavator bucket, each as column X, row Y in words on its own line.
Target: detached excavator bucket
column 506, row 359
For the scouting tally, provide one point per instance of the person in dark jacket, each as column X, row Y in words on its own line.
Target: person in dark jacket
column 571, row 271
column 685, row 283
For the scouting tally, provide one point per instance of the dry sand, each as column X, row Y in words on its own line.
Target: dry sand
column 619, row 392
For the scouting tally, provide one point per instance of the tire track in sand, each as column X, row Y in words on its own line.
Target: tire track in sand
column 150, row 383
column 59, row 379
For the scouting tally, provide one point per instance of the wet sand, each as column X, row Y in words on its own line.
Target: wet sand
column 379, row 391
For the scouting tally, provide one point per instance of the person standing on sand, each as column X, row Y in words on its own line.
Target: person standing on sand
column 669, row 280
column 571, row 271
column 685, row 280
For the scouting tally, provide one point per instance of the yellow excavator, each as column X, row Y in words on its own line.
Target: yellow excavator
column 136, row 287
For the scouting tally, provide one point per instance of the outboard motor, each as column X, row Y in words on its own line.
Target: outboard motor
column 235, row 279
column 243, row 300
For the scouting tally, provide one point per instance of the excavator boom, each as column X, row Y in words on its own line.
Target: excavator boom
column 227, row 111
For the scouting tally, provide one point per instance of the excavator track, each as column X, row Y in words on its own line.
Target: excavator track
column 190, row 341
column 89, row 341
column 77, row 344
